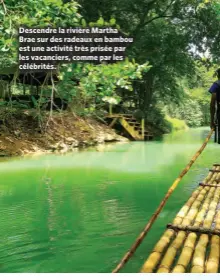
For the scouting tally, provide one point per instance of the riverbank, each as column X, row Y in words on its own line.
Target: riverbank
column 26, row 132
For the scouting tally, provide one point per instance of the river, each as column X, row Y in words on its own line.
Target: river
column 82, row 211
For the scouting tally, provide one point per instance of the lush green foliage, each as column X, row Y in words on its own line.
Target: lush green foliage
column 189, row 111
column 38, row 13
column 194, row 107
column 168, row 34
column 176, row 124
column 95, row 81
column 162, row 70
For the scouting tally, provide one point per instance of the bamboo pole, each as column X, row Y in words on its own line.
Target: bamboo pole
column 143, row 127
column 195, row 229
column 217, row 221
column 198, row 261
column 110, row 109
column 213, row 260
column 140, row 238
column 171, row 252
column 187, row 252
column 213, row 170
column 208, row 185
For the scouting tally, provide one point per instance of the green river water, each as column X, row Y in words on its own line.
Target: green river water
column 82, row 211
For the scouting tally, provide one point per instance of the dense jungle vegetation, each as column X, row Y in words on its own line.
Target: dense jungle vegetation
column 168, row 70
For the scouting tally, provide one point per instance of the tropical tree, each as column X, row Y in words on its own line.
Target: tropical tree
column 169, row 34
column 92, row 80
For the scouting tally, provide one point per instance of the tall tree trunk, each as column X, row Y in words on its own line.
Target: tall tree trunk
column 146, row 93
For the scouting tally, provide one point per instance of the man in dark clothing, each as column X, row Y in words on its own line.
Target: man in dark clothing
column 215, row 99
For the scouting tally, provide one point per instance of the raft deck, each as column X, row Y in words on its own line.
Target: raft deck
column 192, row 242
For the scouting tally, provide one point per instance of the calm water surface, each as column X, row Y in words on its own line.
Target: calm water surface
column 82, row 211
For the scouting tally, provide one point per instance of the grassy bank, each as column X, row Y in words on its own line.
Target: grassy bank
column 176, row 124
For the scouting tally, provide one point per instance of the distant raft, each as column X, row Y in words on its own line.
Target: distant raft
column 191, row 242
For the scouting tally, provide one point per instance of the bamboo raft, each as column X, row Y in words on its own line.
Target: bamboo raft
column 192, row 242
column 151, row 263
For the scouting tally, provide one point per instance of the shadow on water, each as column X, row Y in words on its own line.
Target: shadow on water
column 81, row 212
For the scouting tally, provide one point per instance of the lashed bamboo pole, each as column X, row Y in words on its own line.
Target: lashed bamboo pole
column 171, row 252
column 209, row 185
column 213, row 260
column 217, row 221
column 195, row 229
column 213, row 170
column 186, row 215
column 186, row 254
column 198, row 261
column 140, row 238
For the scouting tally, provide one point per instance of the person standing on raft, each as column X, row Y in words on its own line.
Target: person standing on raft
column 215, row 91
